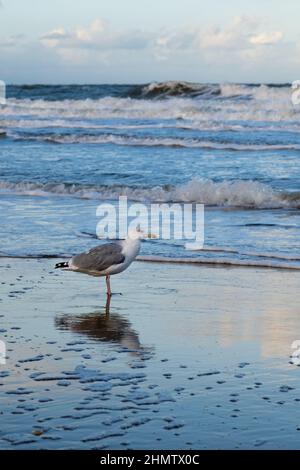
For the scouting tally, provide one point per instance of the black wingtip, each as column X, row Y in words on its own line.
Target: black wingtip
column 62, row 265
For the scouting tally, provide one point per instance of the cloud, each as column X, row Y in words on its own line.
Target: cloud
column 56, row 34
column 239, row 35
column 242, row 34
column 12, row 41
column 7, row 42
column 98, row 36
column 236, row 51
column 266, row 39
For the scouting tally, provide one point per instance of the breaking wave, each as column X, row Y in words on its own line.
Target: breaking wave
column 166, row 100
column 147, row 141
column 188, row 125
column 178, row 88
column 209, row 90
column 152, row 90
column 240, row 194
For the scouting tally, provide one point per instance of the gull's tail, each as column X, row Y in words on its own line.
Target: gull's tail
column 62, row 265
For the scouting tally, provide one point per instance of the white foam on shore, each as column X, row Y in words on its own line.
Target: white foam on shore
column 271, row 260
column 281, row 256
column 219, row 262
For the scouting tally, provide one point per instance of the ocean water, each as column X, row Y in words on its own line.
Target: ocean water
column 236, row 148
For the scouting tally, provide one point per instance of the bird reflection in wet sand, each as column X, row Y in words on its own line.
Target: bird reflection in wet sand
column 104, row 326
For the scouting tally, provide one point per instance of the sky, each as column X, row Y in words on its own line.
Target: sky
column 140, row 41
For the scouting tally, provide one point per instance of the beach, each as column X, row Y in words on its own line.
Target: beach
column 185, row 356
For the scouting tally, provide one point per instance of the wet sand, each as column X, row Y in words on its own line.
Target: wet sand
column 190, row 357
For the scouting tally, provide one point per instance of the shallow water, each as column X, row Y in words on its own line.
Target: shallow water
column 171, row 366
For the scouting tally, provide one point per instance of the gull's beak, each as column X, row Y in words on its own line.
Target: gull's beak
column 150, row 235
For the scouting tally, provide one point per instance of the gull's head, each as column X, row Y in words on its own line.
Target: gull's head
column 136, row 233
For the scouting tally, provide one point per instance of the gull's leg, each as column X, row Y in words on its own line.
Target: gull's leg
column 107, row 306
column 108, row 286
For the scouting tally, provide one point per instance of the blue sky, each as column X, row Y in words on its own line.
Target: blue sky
column 122, row 41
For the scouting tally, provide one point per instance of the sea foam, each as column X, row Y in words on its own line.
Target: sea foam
column 241, row 194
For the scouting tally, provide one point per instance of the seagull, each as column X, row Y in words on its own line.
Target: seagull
column 107, row 259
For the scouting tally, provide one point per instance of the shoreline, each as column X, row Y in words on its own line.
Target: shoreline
column 222, row 263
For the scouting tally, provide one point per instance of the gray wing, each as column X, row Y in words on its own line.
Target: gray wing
column 99, row 258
